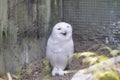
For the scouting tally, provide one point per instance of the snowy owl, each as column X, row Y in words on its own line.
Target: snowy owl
column 60, row 47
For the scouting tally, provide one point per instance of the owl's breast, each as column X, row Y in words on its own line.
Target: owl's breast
column 58, row 47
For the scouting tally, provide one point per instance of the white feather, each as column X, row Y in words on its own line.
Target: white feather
column 60, row 47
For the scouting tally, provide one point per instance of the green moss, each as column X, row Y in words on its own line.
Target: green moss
column 108, row 75
column 47, row 69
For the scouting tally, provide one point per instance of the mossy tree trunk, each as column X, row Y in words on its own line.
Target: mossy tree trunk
column 3, row 26
column 24, row 28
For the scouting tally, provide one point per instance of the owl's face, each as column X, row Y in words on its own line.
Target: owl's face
column 62, row 31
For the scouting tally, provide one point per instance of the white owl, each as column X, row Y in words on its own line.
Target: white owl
column 60, row 47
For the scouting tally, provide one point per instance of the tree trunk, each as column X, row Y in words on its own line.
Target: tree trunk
column 24, row 28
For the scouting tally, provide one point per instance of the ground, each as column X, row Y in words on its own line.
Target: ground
column 36, row 70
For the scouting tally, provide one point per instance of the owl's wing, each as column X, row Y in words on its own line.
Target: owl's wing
column 70, row 51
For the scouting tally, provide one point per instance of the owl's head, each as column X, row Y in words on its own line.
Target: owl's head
column 62, row 31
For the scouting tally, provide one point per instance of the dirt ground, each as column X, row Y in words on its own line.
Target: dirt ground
column 36, row 70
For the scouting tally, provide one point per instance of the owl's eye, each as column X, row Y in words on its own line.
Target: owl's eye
column 59, row 29
column 67, row 26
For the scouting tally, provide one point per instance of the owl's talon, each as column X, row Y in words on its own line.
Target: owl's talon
column 61, row 72
column 54, row 71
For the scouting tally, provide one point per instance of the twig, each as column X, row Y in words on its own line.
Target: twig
column 9, row 76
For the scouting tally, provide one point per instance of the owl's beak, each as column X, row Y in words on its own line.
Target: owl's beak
column 65, row 33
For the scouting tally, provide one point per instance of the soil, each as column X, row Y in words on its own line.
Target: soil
column 36, row 70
